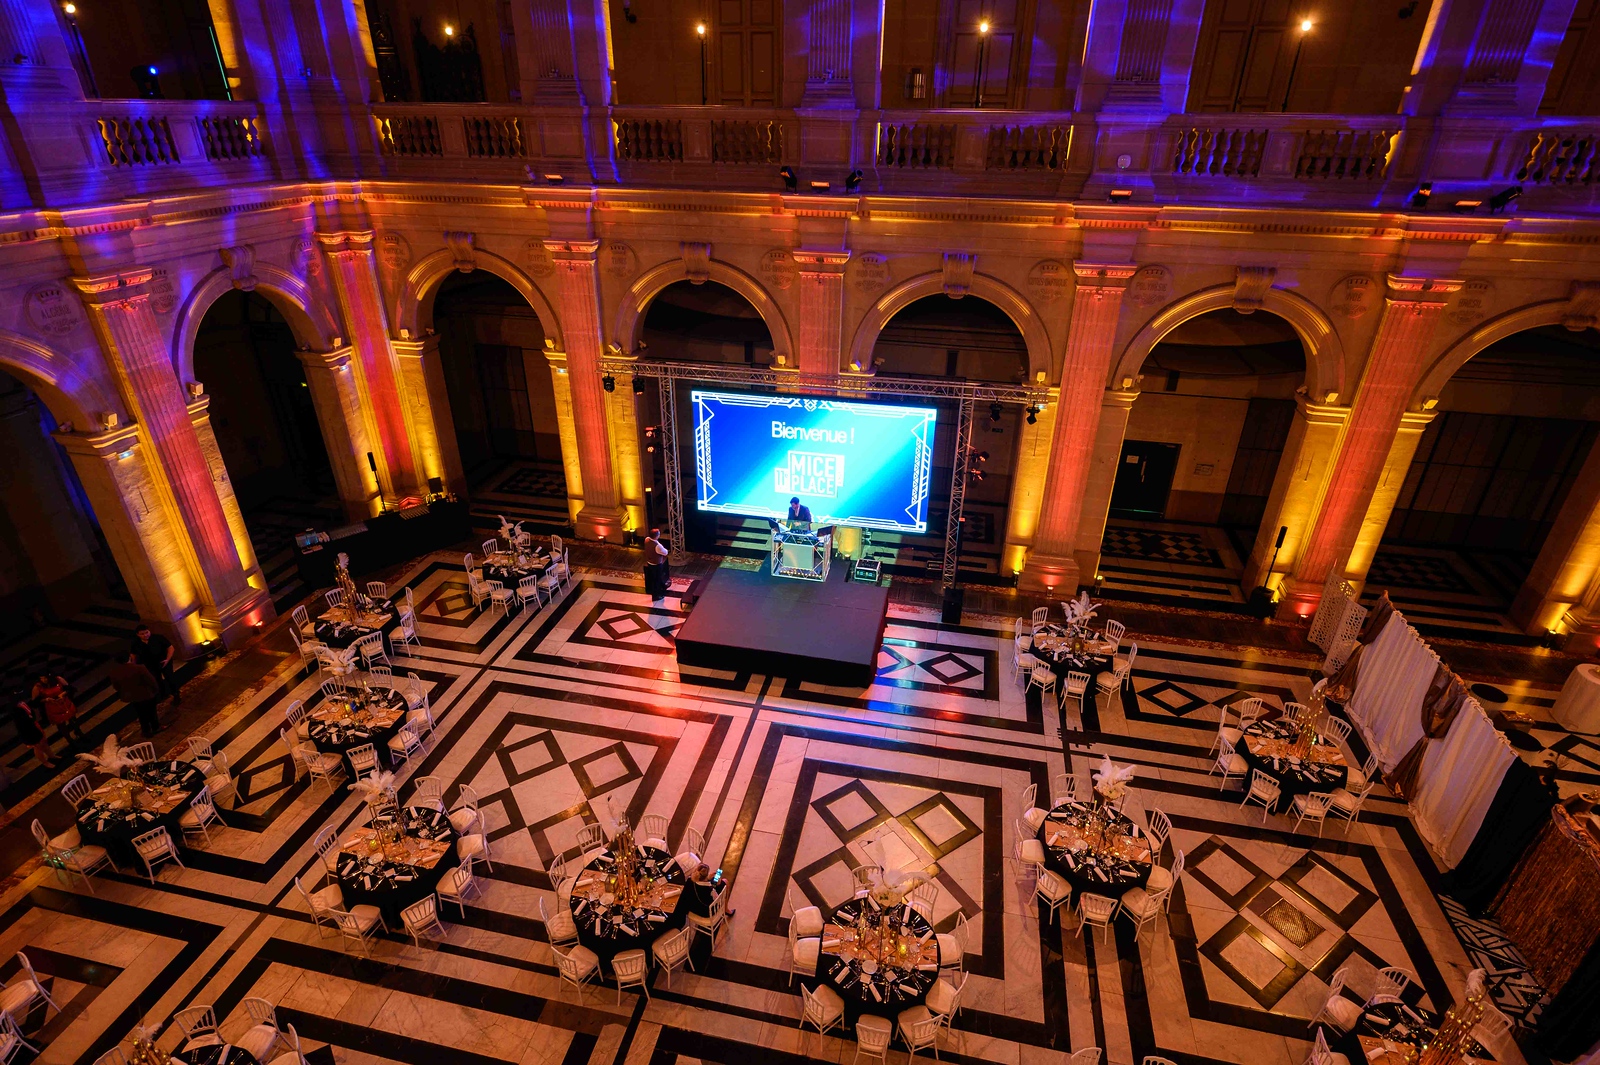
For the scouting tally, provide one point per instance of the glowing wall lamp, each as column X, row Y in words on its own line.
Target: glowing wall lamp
column 1300, row 42
column 983, row 48
column 449, row 30
column 700, row 30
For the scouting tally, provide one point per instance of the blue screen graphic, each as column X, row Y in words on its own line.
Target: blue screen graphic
column 862, row 464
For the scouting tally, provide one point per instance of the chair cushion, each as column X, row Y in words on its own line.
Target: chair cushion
column 1054, row 888
column 1139, row 902
column 870, row 1023
column 950, row 951
column 910, row 1018
column 1033, row 817
column 584, row 958
column 1237, row 765
column 418, row 716
column 829, row 1000
column 1342, row 1012
column 806, row 952
column 366, row 916
column 329, row 898
column 210, row 1039
column 190, row 819
column 470, row 846
column 561, row 925
column 1031, row 851
column 258, row 1041
column 670, row 949
column 1160, row 879
column 18, row 995
column 219, row 782
column 462, row 819
column 942, row 997
column 658, row 843
column 88, row 856
column 397, row 742
column 686, row 861
column 1344, row 800
column 1232, row 735
column 453, row 884
column 807, row 921
column 1355, row 779
column 68, row 840
column 704, row 921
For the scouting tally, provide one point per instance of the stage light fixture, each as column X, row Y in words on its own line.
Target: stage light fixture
column 982, row 456
column 791, row 182
column 994, row 412
column 638, row 385
column 1033, row 415
column 852, row 181
column 1120, row 196
column 1466, row 206
column 609, row 382
column 1504, row 198
column 1419, row 199
column 820, row 187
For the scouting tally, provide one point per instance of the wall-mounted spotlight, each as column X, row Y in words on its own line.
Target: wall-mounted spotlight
column 995, row 410
column 627, row 12
column 1419, row 199
column 1033, row 415
column 554, row 179
column 791, row 182
column 1120, row 196
column 1466, row 206
column 609, row 383
column 638, row 385
column 852, row 181
column 1504, row 198
column 820, row 187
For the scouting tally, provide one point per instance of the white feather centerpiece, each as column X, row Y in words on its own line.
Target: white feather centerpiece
column 891, row 883
column 1080, row 611
column 508, row 530
column 112, row 759
column 377, row 789
column 1111, row 781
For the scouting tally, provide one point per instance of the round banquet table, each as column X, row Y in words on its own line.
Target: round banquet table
column 605, row 928
column 342, row 722
column 509, row 572
column 216, row 1054
column 106, row 818
column 342, row 634
column 394, row 875
column 1055, row 651
column 1578, row 706
column 1263, row 748
column 1386, row 1029
column 854, row 969
column 1112, row 869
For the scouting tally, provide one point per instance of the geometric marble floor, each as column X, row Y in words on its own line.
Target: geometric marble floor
column 555, row 716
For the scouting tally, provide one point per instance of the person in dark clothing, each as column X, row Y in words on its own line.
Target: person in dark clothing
column 29, row 723
column 703, row 891
column 657, row 577
column 52, row 692
column 138, row 687
column 156, row 653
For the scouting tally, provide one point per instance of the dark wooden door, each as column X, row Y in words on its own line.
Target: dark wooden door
column 1144, row 479
column 746, row 54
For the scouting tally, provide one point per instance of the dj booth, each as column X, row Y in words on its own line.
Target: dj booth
column 799, row 553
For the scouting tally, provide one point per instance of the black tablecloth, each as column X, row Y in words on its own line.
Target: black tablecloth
column 511, row 576
column 1293, row 777
column 1064, row 661
column 598, row 926
column 335, row 737
column 121, row 826
column 906, row 990
column 1569, row 1024
column 212, row 1055
column 369, row 879
column 343, row 634
column 1106, row 875
column 1397, row 1021
column 1520, row 809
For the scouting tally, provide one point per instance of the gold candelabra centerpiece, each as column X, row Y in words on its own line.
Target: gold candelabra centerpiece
column 144, row 1049
column 1454, row 1042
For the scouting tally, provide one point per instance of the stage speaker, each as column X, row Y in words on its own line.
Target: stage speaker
column 952, row 605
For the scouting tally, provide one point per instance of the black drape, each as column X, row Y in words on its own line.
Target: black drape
column 1570, row 1024
column 1519, row 812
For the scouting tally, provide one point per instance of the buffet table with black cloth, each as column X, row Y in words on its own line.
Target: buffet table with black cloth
column 1269, row 747
column 361, row 716
column 1066, row 652
column 216, row 1054
column 1100, row 851
column 385, row 540
column 337, row 627
column 607, row 925
column 1387, row 1029
column 880, row 960
column 153, row 795
column 1520, row 809
column 397, row 860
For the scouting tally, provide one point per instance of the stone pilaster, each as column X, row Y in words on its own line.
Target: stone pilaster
column 578, row 282
column 1562, row 581
column 1115, row 407
column 1407, row 435
column 567, row 427
column 334, row 396
column 821, row 310
column 433, row 431
column 355, row 282
column 1297, row 490
column 139, row 358
column 1097, row 301
column 1392, row 370
column 828, row 44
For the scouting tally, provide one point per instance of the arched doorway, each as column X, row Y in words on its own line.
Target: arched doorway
column 1489, row 478
column 967, row 339
column 267, row 431
column 696, row 323
column 1198, row 458
column 502, row 401
column 54, row 561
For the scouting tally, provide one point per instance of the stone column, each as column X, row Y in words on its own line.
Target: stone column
column 627, row 451
column 120, row 474
column 337, row 401
column 1097, row 300
column 545, row 53
column 1297, row 490
column 137, row 353
column 1028, row 469
column 1395, row 467
column 821, row 311
column 433, row 430
column 1563, row 580
column 828, row 44
column 578, row 281
column 355, row 281
column 1393, row 368
column 1115, row 407
column 1137, row 81
column 200, row 418
column 561, row 384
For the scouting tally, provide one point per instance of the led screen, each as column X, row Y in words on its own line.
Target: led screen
column 863, row 464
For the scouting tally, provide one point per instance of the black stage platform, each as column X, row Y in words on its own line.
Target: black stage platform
column 823, row 631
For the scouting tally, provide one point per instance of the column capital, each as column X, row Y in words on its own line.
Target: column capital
column 115, row 443
column 820, row 262
column 114, row 287
column 1119, row 397
column 337, row 359
column 1106, row 276
column 1419, row 292
column 586, row 251
column 346, row 241
column 416, row 347
column 1321, row 413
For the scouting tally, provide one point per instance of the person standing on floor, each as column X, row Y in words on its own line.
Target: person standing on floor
column 657, row 577
column 138, row 687
column 156, row 653
column 52, row 692
column 29, row 723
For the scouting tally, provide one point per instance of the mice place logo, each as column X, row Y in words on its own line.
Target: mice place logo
column 809, row 473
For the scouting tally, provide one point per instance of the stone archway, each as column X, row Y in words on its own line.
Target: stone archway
column 421, row 287
column 1028, row 321
column 629, row 322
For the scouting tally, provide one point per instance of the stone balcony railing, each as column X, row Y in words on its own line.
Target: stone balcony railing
column 158, row 145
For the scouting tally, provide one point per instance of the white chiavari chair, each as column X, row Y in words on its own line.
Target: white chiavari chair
column 1263, row 790
column 155, row 847
column 421, row 918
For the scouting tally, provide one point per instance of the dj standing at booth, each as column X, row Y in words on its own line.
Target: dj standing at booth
column 799, row 511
